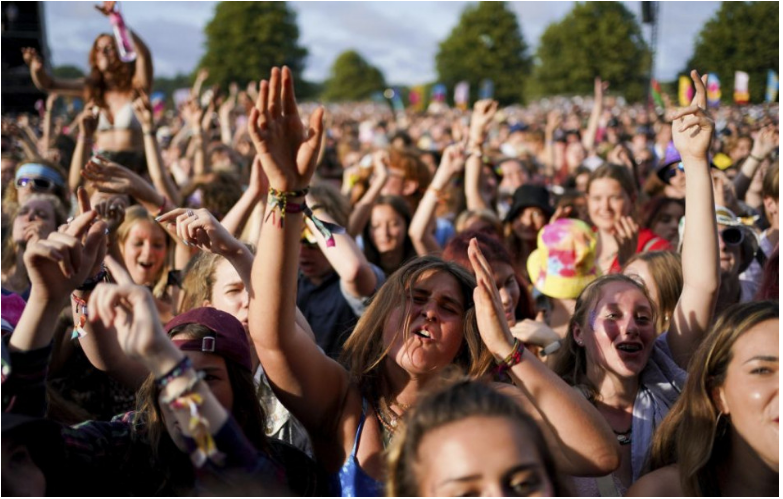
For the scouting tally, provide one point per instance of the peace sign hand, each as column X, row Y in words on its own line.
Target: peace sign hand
column 692, row 127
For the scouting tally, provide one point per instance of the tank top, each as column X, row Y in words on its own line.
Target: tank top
column 351, row 480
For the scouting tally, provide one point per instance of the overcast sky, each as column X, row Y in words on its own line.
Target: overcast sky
column 401, row 38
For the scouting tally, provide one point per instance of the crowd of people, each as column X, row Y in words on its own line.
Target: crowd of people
column 246, row 295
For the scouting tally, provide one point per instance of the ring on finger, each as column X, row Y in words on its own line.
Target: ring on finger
column 189, row 213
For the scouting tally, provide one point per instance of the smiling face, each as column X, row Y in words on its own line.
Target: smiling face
column 481, row 456
column 144, row 252
column 607, row 202
column 435, row 327
column 749, row 395
column 619, row 332
column 387, row 228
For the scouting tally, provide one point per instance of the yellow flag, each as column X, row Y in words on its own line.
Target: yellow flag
column 686, row 91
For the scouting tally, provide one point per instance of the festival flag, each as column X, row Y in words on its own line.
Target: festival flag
column 158, row 101
column 685, row 94
column 462, row 94
column 487, row 89
column 713, row 90
column 741, row 93
column 396, row 99
column 655, row 91
column 439, row 92
column 772, row 86
column 181, row 96
column 416, row 98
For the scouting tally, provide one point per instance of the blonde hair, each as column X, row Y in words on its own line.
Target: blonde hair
column 454, row 402
column 692, row 433
column 134, row 215
column 10, row 248
column 364, row 350
column 571, row 365
column 665, row 267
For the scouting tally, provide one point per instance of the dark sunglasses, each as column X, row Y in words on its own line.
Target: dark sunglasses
column 732, row 236
column 38, row 184
column 673, row 170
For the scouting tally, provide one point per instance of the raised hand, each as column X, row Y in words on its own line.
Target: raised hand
column 199, row 228
column 130, row 309
column 692, row 127
column 483, row 112
column 534, row 333
column 112, row 211
column 599, row 87
column 766, row 141
column 489, row 307
column 380, row 164
column 32, row 59
column 142, row 108
column 88, row 121
column 453, row 160
column 288, row 152
column 106, row 8
column 64, row 260
column 553, row 120
column 111, row 177
column 626, row 233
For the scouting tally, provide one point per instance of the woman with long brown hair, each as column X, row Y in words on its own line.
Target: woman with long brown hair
column 613, row 353
column 111, row 86
column 721, row 437
column 430, row 314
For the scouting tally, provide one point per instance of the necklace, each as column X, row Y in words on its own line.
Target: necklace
column 387, row 416
column 623, row 437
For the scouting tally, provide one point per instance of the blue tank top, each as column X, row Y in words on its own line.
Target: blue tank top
column 351, row 480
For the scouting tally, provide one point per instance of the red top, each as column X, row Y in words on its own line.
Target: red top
column 648, row 241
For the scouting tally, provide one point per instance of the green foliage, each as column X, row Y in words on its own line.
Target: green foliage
column 67, row 71
column 246, row 39
column 742, row 36
column 486, row 43
column 595, row 39
column 352, row 79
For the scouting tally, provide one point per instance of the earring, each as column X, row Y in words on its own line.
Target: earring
column 720, row 429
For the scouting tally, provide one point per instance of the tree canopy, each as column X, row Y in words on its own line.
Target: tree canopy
column 246, row 39
column 487, row 43
column 352, row 78
column 67, row 71
column 741, row 36
column 595, row 39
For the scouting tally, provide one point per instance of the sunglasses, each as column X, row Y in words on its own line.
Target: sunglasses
column 732, row 236
column 673, row 170
column 38, row 184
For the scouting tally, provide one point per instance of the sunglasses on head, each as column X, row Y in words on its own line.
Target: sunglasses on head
column 38, row 184
column 732, row 236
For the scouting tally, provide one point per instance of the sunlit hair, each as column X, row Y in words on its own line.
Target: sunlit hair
column 485, row 215
column 134, row 215
column 665, row 267
column 96, row 84
column 199, row 279
column 692, row 436
column 10, row 248
column 618, row 173
column 149, row 425
column 455, row 402
column 413, row 168
column 364, row 350
column 11, row 194
column 571, row 364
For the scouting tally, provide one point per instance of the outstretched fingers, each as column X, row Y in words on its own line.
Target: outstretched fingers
column 288, row 96
column 275, row 104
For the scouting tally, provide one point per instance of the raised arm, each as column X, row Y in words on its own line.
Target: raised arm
column 423, row 239
column 308, row 383
column 87, row 126
column 588, row 139
column 360, row 214
column 581, row 440
column 237, row 217
column 45, row 82
column 766, row 141
column 160, row 178
column 692, row 132
column 483, row 112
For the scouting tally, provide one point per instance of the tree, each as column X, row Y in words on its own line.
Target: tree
column 487, row 43
column 67, row 71
column 741, row 36
column 352, row 78
column 595, row 39
column 246, row 39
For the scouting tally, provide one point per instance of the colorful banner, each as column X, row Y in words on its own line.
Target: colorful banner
column 741, row 93
column 396, row 99
column 487, row 89
column 685, row 94
column 657, row 95
column 772, row 86
column 439, row 93
column 713, row 90
column 462, row 94
column 158, row 101
column 416, row 97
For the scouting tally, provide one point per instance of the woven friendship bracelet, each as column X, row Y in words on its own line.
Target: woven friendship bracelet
column 278, row 200
column 513, row 358
column 175, row 372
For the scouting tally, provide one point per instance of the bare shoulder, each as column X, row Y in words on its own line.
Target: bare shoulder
column 663, row 482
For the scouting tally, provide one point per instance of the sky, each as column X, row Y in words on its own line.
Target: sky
column 400, row 38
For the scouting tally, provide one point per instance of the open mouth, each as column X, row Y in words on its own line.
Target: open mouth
column 146, row 265
column 629, row 347
column 423, row 333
